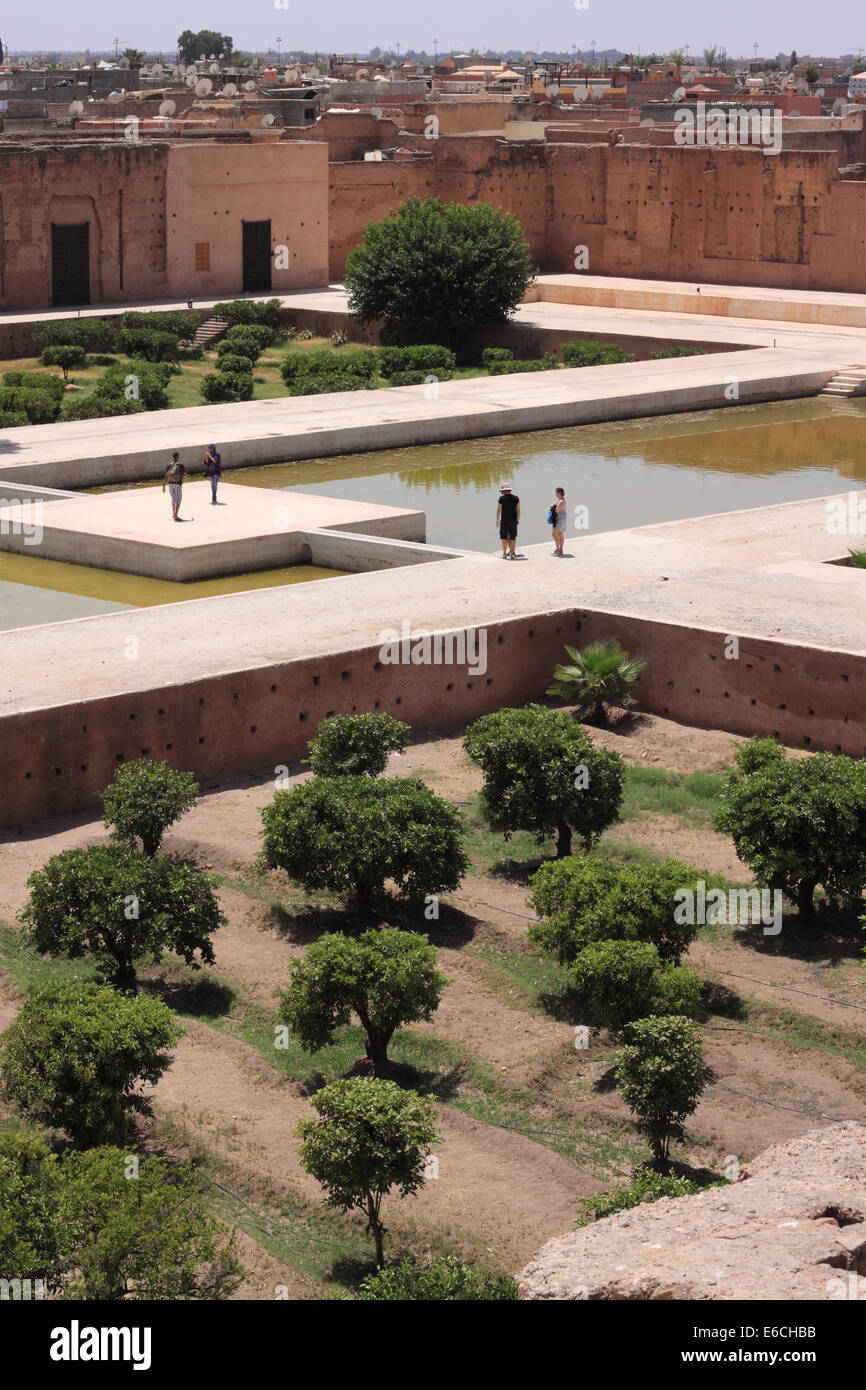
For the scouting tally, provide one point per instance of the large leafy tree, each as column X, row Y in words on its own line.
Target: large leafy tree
column 660, row 1074
column 582, row 899
column 798, row 822
column 206, row 43
column 144, row 798
column 119, row 905
column 77, row 1054
column 351, row 834
column 370, row 1137
column 437, row 272
column 542, row 774
column 386, row 978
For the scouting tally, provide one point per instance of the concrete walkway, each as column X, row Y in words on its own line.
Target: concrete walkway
column 130, row 447
column 763, row 572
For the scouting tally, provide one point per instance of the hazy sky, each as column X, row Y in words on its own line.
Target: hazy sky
column 347, row 26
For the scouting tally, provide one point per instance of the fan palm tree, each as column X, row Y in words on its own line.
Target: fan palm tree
column 710, row 56
column 677, row 56
column 601, row 678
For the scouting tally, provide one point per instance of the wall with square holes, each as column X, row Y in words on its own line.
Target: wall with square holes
column 57, row 760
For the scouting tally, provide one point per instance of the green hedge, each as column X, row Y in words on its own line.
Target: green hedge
column 152, row 346
column 35, row 395
column 538, row 364
column 258, row 333
column 241, row 345
column 359, row 367
column 89, row 406
column 183, row 323
column 423, row 357
column 492, row 355
column 249, row 311
column 593, row 354
column 227, row 386
column 676, row 352
column 152, row 379
column 94, row 335
column 233, row 362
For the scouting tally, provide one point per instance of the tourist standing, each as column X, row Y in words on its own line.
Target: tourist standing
column 213, row 470
column 507, row 517
column 557, row 516
column 174, row 477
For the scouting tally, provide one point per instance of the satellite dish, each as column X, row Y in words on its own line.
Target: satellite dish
column 802, row 90
column 820, row 92
column 156, row 70
column 178, row 70
column 76, row 108
column 268, row 120
column 191, row 70
column 115, row 97
column 377, row 113
column 679, row 94
column 167, row 108
column 123, row 64
column 839, row 106
column 230, row 90
column 795, row 113
column 552, row 91
column 214, row 67
column 249, row 86
column 203, row 87
column 647, row 121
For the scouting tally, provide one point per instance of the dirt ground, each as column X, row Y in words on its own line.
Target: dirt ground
column 503, row 1188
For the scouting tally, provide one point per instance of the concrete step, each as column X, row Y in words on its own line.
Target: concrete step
column 850, row 381
column 211, row 330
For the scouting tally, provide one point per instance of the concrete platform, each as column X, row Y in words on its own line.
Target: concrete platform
column 223, row 685
column 249, row 529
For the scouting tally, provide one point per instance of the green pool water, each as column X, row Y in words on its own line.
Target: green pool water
column 628, row 473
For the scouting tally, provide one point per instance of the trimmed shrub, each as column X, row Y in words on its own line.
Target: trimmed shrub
column 94, row 335
column 593, row 354
column 265, row 311
column 182, row 323
column 232, row 363
column 422, row 357
column 625, row 980
column 76, row 1053
column 89, row 406
column 13, row 419
column 144, row 798
column 190, row 354
column 239, row 346
column 227, row 386
column 33, row 381
column 357, row 367
column 353, row 834
column 676, row 352
column 37, row 406
column 547, row 363
column 492, row 355
column 153, row 347
column 321, row 384
column 350, row 745
column 257, row 332
column 416, row 378
column 66, row 356
column 138, row 381
column 582, row 900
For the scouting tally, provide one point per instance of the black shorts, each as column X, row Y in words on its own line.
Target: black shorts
column 508, row 531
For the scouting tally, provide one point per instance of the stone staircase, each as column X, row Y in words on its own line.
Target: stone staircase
column 210, row 332
column 851, row 381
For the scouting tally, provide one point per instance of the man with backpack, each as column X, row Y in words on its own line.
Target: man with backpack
column 175, row 475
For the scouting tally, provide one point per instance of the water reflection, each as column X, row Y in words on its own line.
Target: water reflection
column 628, row 473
